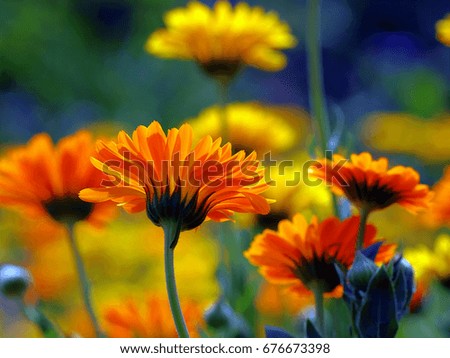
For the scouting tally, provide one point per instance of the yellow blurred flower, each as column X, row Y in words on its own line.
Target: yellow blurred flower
column 429, row 264
column 255, row 126
column 292, row 194
column 402, row 227
column 426, row 139
column 443, row 30
column 149, row 319
column 224, row 38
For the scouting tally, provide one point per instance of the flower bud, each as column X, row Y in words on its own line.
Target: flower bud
column 14, row 281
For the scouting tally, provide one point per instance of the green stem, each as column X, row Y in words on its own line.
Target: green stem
column 317, row 100
column 320, row 316
column 84, row 281
column 316, row 92
column 171, row 235
column 223, row 86
column 35, row 315
column 363, row 216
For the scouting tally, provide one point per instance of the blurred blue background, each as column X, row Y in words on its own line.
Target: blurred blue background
column 67, row 64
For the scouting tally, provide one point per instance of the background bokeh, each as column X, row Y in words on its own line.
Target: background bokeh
column 71, row 64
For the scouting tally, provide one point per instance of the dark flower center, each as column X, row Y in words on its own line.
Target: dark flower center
column 445, row 282
column 271, row 220
column 221, row 69
column 375, row 196
column 171, row 207
column 318, row 270
column 68, row 208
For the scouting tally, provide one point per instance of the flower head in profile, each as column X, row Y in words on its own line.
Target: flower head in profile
column 151, row 319
column 42, row 180
column 224, row 38
column 305, row 256
column 249, row 122
column 176, row 181
column 443, row 30
column 370, row 184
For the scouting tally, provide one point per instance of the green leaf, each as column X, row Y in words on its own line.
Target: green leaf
column 376, row 317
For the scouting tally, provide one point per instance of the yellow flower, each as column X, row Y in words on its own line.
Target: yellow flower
column 426, row 139
column 429, row 264
column 292, row 193
column 443, row 30
column 249, row 125
column 223, row 39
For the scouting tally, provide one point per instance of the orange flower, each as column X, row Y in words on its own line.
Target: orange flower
column 42, row 180
column 176, row 181
column 369, row 183
column 439, row 213
column 151, row 320
column 304, row 255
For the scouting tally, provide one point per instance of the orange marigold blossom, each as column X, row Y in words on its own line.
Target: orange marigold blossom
column 439, row 213
column 179, row 184
column 42, row 179
column 303, row 255
column 150, row 319
column 371, row 185
column 173, row 180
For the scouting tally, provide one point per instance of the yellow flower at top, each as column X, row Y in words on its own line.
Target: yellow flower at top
column 176, row 181
column 223, row 39
column 370, row 184
column 249, row 123
column 443, row 30
column 42, row 180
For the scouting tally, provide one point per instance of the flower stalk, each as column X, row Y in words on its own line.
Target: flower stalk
column 318, row 301
column 171, row 234
column 35, row 315
column 316, row 92
column 317, row 99
column 223, row 88
column 84, row 281
column 363, row 216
